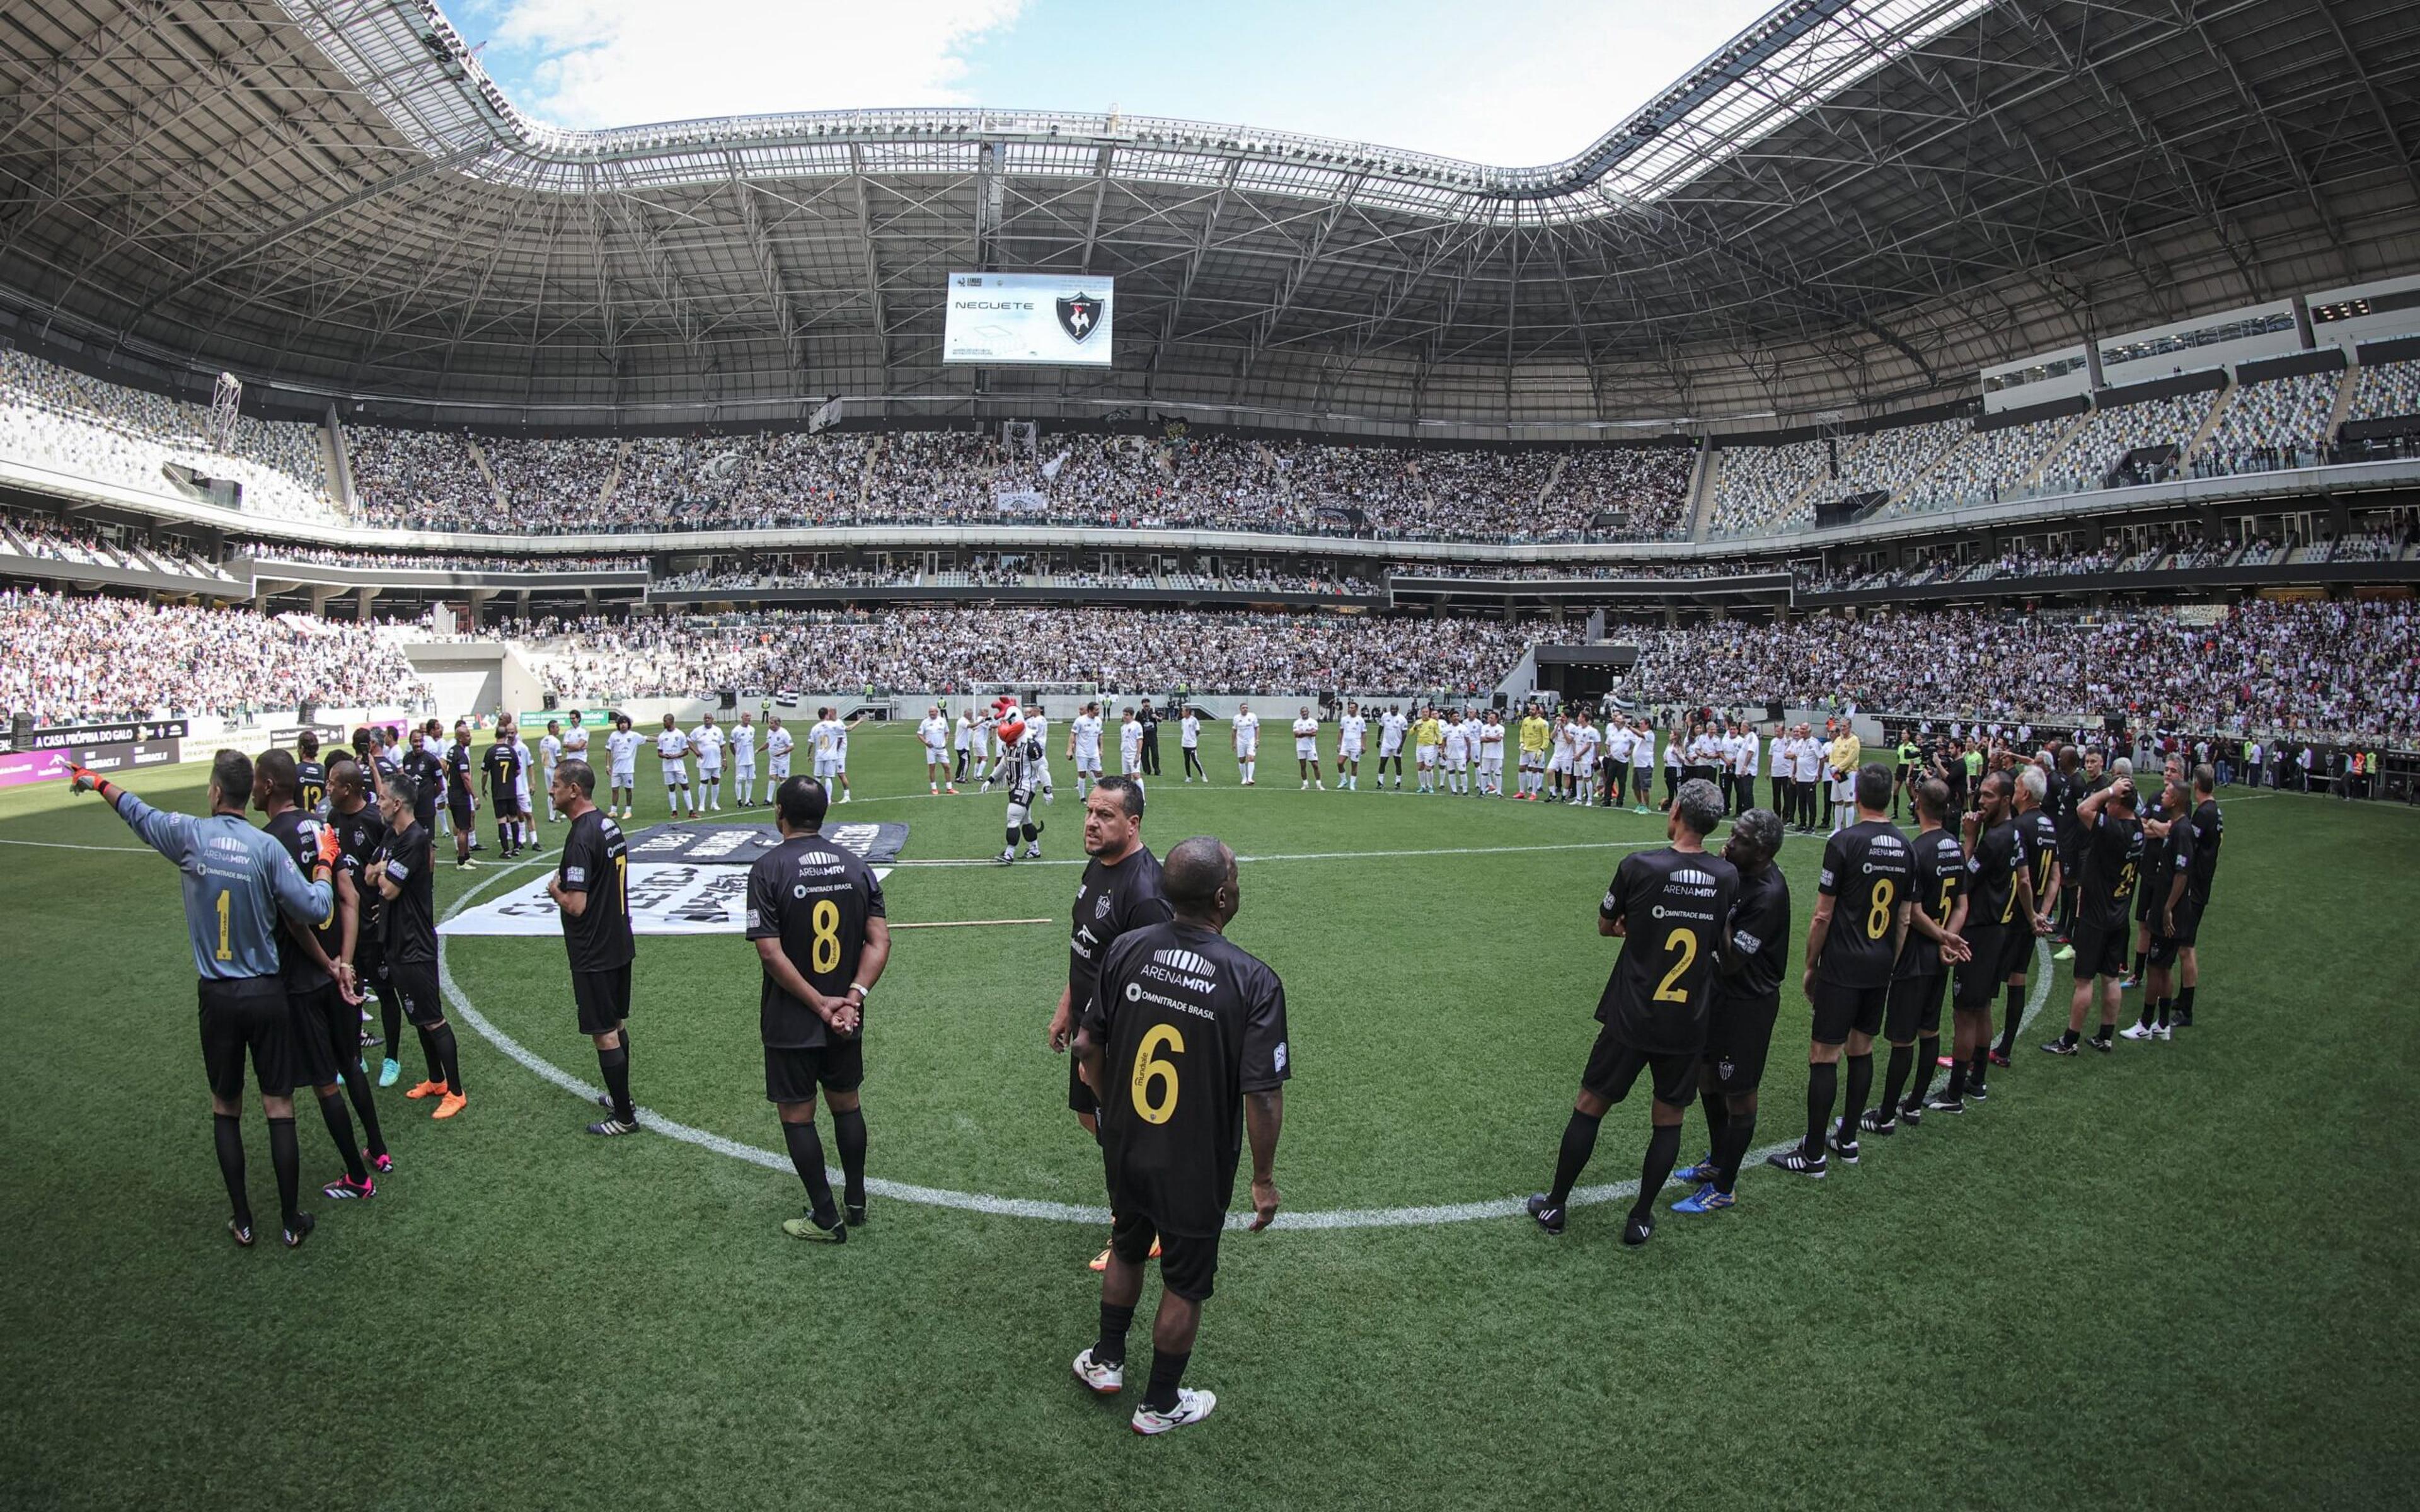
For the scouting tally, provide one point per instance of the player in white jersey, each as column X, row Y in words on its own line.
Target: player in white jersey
column 1585, row 745
column 1393, row 729
column 839, row 754
column 743, row 762
column 1558, row 762
column 1491, row 755
column 1084, row 748
column 707, row 741
column 823, row 744
column 1453, row 737
column 778, row 745
column 1247, row 743
column 1189, row 739
column 550, row 755
column 1305, row 748
column 963, row 738
column 622, row 765
column 1037, row 734
column 672, row 749
column 525, row 825
column 933, row 733
column 1351, row 731
column 1642, row 764
column 1130, row 749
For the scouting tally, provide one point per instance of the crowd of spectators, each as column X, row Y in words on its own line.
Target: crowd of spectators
column 2350, row 666
column 941, row 650
column 78, row 543
column 2280, row 424
column 319, row 556
column 79, row 658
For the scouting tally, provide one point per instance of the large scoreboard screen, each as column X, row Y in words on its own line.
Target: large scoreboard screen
column 1045, row 319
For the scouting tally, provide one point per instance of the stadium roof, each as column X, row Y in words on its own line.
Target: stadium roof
column 1855, row 204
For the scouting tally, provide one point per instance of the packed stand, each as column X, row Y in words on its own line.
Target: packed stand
column 77, row 659
column 2316, row 666
column 77, row 543
column 321, row 556
column 944, row 649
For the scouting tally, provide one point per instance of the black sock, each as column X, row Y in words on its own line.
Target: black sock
column 1861, row 1081
column 1579, row 1143
column 2164, row 1005
column 1730, row 1148
column 226, row 1131
column 849, row 1132
column 807, row 1155
column 286, row 1155
column 428, row 1053
column 1927, row 1054
column 2184, row 1003
column 451, row 1052
column 1111, row 1348
column 340, row 1128
column 1902, row 1056
column 1822, row 1084
column 1165, row 1371
column 1717, row 1108
column 357, row 1087
column 2069, row 1037
column 504, row 836
column 1957, row 1082
column 391, row 1023
column 2008, row 1022
column 616, row 1065
column 1663, row 1151
column 2139, row 958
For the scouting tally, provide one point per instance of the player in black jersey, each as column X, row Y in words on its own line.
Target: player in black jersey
column 1739, row 1008
column 2168, row 871
column 1937, row 941
column 502, row 767
column 2001, row 924
column 590, row 888
column 2155, row 817
column 2208, row 829
column 822, row 934
column 1186, row 1037
column 362, row 834
column 1865, row 882
column 1120, row 891
column 320, row 995
column 1668, row 908
column 2111, row 846
column 408, row 911
column 310, row 775
column 461, row 799
column 2041, row 885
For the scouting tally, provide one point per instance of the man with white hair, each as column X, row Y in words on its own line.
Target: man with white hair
column 743, row 761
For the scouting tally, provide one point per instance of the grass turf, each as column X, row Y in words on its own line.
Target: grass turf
column 2179, row 1274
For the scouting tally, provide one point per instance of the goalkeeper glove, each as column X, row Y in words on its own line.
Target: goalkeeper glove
column 328, row 852
column 83, row 780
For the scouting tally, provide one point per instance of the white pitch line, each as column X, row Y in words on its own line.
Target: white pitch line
column 984, row 1202
column 63, row 845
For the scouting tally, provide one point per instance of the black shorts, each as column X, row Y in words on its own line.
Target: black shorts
column 422, row 1002
column 327, row 1035
column 507, row 807
column 1738, row 1034
column 2164, row 950
column 1978, row 979
column 793, row 1076
column 247, row 1016
column 1914, row 1010
column 1840, row 1010
column 2099, row 952
column 459, row 807
column 2188, row 920
column 1079, row 1096
column 603, row 998
column 1613, row 1066
column 1186, row 1265
column 2142, row 907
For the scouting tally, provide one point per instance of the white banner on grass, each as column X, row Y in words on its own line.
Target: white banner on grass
column 666, row 897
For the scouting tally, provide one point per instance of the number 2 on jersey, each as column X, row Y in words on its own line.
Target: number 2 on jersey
column 1150, row 1071
column 1670, row 990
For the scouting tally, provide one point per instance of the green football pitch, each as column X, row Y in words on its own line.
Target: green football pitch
column 2180, row 1274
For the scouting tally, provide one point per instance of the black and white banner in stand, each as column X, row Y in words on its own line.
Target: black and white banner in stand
column 685, row 879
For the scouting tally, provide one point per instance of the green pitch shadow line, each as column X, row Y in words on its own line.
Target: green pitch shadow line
column 984, row 1202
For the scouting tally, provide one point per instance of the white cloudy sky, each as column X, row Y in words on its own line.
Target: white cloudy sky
column 1517, row 82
